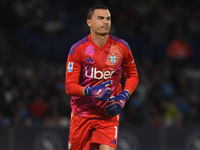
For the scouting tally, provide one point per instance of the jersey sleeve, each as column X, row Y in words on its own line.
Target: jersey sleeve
column 130, row 70
column 73, row 69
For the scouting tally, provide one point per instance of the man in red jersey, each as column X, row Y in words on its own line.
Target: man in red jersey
column 93, row 75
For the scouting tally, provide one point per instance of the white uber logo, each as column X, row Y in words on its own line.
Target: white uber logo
column 95, row 74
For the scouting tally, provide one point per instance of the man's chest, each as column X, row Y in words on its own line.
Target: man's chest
column 103, row 59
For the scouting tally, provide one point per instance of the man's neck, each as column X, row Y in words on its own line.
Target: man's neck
column 99, row 40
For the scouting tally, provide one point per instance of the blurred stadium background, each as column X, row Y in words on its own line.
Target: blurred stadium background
column 35, row 38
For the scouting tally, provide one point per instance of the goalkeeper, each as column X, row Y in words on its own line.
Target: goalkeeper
column 93, row 74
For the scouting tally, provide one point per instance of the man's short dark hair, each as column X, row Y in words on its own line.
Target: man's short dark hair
column 91, row 10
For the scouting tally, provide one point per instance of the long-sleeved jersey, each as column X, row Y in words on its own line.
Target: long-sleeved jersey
column 90, row 65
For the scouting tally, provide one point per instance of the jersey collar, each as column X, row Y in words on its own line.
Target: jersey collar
column 96, row 46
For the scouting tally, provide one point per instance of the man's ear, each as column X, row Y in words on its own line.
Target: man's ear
column 89, row 22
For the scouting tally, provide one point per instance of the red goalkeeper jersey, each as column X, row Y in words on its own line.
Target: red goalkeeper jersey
column 90, row 65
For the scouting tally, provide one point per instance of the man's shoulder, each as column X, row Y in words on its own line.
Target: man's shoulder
column 77, row 44
column 119, row 41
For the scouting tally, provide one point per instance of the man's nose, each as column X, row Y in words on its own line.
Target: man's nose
column 106, row 21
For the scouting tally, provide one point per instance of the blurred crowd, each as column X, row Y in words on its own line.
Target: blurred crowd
column 35, row 38
column 34, row 95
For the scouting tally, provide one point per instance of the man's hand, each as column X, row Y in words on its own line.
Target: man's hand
column 119, row 101
column 101, row 91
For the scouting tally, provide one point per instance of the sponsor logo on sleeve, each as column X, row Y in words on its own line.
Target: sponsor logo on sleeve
column 69, row 145
column 70, row 67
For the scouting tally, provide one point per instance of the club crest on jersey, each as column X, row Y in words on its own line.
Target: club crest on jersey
column 70, row 67
column 113, row 59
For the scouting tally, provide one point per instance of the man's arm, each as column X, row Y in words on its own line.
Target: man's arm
column 132, row 79
column 127, row 91
column 130, row 72
column 83, row 91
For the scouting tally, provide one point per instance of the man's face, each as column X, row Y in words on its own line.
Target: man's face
column 100, row 22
